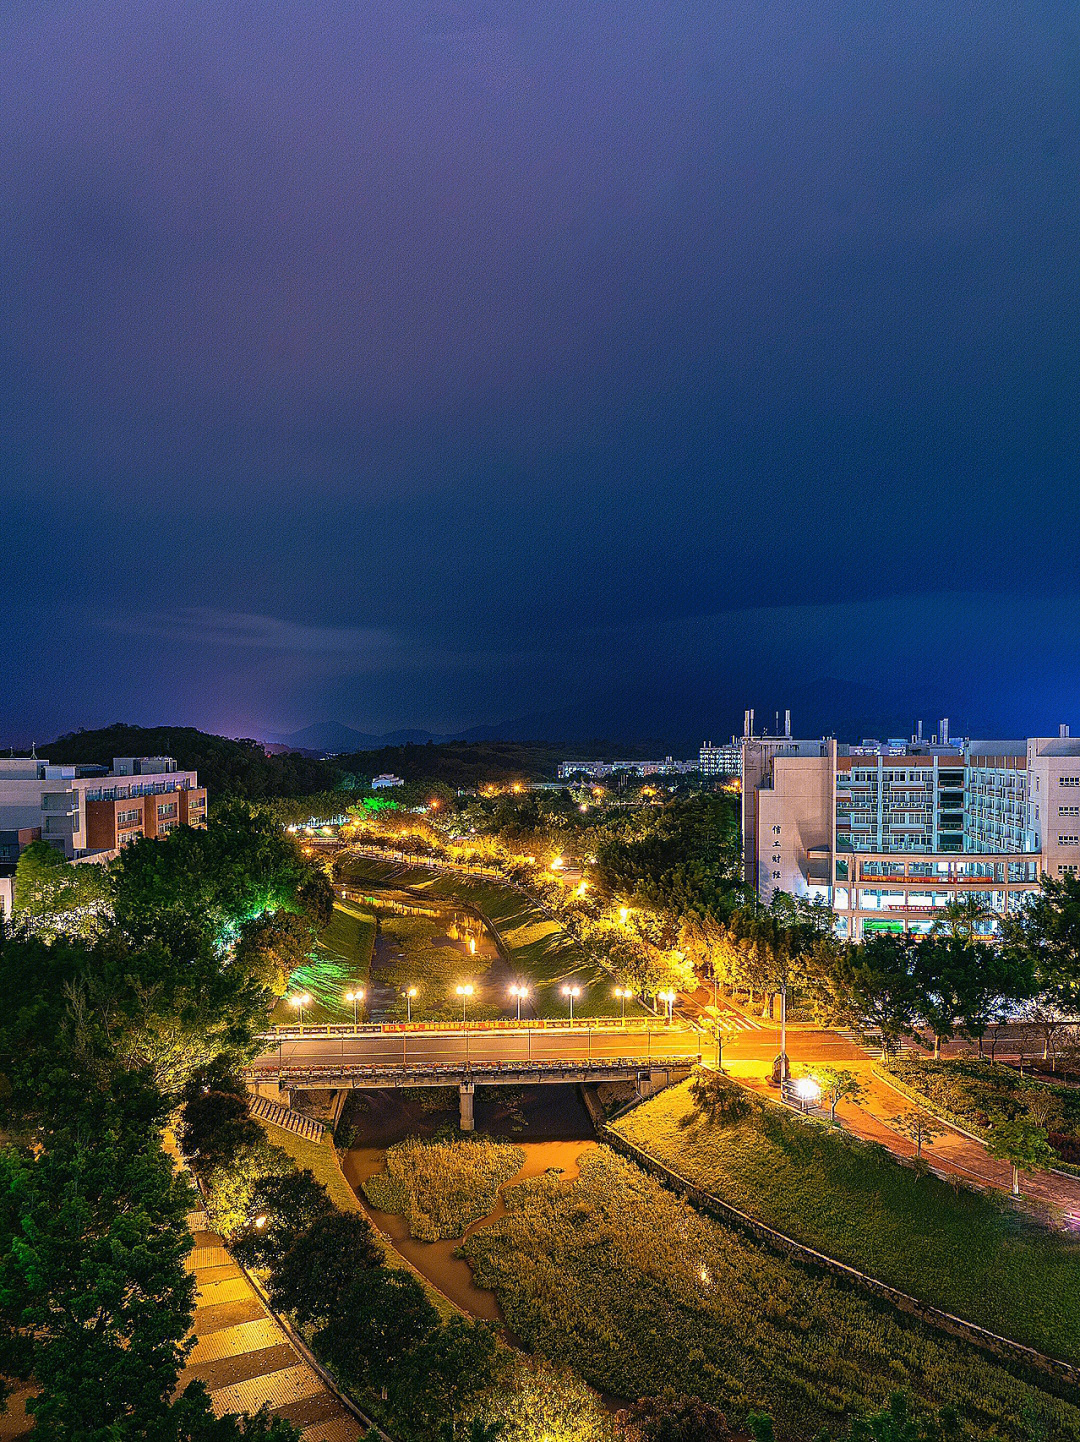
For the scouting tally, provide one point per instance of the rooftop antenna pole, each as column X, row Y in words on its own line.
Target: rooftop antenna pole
column 787, row 723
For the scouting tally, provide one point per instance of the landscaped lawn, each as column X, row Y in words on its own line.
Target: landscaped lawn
column 342, row 961
column 965, row 1252
column 540, row 951
column 618, row 1277
column 977, row 1093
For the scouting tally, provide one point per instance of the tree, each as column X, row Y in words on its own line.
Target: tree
column 312, row 1279
column 721, row 1100
column 962, row 918
column 873, row 985
column 214, row 1127
column 987, row 982
column 191, row 1419
column 1023, row 1145
column 538, row 1401
column 270, row 947
column 1046, row 934
column 385, row 1314
column 57, row 895
column 231, row 1183
column 444, row 1374
column 675, row 1417
column 919, row 1126
column 838, row 1085
column 95, row 1301
column 280, row 1209
column 940, row 966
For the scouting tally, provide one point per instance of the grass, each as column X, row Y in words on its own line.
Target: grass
column 960, row 1250
column 618, row 1277
column 443, row 1185
column 342, row 960
column 540, row 951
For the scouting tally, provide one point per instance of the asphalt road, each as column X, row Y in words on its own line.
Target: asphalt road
column 448, row 1047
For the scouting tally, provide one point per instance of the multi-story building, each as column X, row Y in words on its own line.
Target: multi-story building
column 598, row 769
column 721, row 760
column 83, row 809
column 891, row 833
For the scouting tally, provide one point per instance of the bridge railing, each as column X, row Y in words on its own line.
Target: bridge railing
column 322, row 1071
column 395, row 1028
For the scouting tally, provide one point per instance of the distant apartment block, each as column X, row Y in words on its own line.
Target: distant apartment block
column 83, row 809
column 597, row 770
column 721, row 760
column 378, row 783
column 889, row 833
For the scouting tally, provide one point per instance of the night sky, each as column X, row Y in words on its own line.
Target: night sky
column 450, row 364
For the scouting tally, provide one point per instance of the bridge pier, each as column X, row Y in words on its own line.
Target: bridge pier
column 465, row 1101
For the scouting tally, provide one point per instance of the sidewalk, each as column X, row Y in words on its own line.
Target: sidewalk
column 748, row 1056
column 244, row 1357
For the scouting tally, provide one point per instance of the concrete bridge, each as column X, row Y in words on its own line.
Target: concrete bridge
column 345, row 1058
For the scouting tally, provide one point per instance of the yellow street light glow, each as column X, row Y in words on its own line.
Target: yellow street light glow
column 556, row 863
column 464, row 991
column 806, row 1089
column 623, row 991
column 303, row 1000
column 519, row 991
column 260, row 1222
column 571, row 991
column 668, row 996
column 582, row 889
column 413, row 991
column 472, row 945
column 355, row 995
column 624, row 912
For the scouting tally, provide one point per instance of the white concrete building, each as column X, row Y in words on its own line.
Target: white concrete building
column 891, row 833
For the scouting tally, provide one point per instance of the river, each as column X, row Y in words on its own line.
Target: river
column 555, row 1116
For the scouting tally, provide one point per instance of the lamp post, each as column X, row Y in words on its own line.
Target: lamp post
column 410, row 993
column 465, row 992
column 356, row 997
column 571, row 992
column 518, row 992
column 300, row 1001
column 623, row 993
column 668, row 998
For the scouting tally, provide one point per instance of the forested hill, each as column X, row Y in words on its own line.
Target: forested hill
column 242, row 768
column 225, row 767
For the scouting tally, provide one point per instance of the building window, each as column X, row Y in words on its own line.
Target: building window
column 128, row 818
column 1069, row 840
column 1069, row 780
column 1067, row 870
column 1069, row 810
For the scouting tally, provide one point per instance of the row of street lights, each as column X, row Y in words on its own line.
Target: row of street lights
column 518, row 992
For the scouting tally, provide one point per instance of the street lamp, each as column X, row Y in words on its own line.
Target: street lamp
column 472, row 945
column 807, row 1091
column 464, row 992
column 518, row 992
column 624, row 912
column 668, row 998
column 571, row 992
column 624, row 994
column 300, row 1002
column 356, row 997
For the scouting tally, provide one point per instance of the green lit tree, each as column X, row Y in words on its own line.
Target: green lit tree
column 838, row 1085
column 313, row 1278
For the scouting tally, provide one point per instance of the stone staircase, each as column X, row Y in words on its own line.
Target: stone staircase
column 269, row 1111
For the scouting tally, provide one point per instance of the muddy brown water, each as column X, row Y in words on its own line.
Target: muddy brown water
column 552, row 1129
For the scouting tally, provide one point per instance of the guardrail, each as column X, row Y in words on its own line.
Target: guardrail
column 495, row 1028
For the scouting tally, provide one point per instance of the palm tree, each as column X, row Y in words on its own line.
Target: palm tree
column 961, row 919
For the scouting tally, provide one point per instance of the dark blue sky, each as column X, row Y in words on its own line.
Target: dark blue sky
column 434, row 363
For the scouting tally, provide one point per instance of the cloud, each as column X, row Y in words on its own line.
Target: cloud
column 205, row 626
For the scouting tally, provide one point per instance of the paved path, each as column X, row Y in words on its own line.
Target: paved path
column 748, row 1055
column 243, row 1355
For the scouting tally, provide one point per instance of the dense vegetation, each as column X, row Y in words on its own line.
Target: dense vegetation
column 961, row 1250
column 978, row 1094
column 441, row 1186
column 102, row 1036
column 642, row 1292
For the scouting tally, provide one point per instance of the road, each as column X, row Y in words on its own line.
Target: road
column 457, row 1047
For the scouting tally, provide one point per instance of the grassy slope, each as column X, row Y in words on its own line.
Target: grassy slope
column 343, row 958
column 540, row 950
column 617, row 1276
column 960, row 1250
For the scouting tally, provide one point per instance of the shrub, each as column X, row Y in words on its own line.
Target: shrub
column 230, row 1184
column 441, row 1186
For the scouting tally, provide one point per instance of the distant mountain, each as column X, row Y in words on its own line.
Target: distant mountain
column 331, row 737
